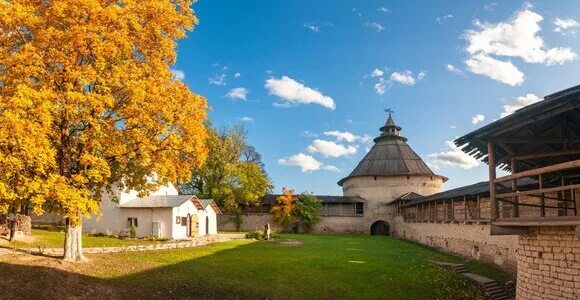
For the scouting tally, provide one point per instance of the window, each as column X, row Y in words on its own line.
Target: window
column 359, row 208
column 177, row 220
column 132, row 222
column 183, row 221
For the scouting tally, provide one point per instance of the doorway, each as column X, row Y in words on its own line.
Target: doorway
column 380, row 228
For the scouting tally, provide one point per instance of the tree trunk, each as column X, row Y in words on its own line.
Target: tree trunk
column 73, row 245
column 12, row 229
column 12, row 220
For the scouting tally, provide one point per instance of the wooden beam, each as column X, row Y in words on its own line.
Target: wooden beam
column 492, row 180
column 514, row 189
column 545, row 154
column 508, row 230
column 574, row 164
column 534, row 140
column 546, row 190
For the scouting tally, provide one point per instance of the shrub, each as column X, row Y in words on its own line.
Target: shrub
column 255, row 235
column 133, row 232
column 238, row 220
column 261, row 235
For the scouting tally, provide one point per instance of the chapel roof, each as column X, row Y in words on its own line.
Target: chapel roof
column 169, row 201
column 390, row 155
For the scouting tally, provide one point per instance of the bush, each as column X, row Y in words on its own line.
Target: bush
column 261, row 235
column 133, row 232
column 255, row 235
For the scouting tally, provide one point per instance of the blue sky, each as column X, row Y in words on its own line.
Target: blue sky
column 310, row 79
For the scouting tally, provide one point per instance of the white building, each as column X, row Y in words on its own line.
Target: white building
column 163, row 214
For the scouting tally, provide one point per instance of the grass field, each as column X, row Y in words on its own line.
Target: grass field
column 55, row 239
column 296, row 267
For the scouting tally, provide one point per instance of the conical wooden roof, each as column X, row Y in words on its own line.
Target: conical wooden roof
column 390, row 155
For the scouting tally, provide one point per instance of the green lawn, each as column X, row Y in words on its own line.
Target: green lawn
column 55, row 239
column 311, row 267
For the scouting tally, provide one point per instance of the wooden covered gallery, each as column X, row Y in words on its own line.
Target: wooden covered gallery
column 539, row 142
column 465, row 204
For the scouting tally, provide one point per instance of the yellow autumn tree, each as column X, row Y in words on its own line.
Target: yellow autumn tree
column 98, row 74
column 283, row 209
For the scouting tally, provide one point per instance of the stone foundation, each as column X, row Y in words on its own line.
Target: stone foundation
column 549, row 264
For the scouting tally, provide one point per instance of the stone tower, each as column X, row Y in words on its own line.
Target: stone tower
column 389, row 170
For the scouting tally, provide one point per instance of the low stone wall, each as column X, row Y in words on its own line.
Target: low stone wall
column 327, row 224
column 23, row 225
column 468, row 240
column 193, row 242
column 549, row 264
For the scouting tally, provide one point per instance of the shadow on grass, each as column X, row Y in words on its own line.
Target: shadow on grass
column 323, row 267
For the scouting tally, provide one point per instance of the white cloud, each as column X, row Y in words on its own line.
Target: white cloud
column 477, row 119
column 316, row 26
column 421, row 75
column 566, row 26
column 453, row 157
column 218, row 79
column 238, row 93
column 490, row 6
column 304, row 161
column 330, row 148
column 312, row 28
column 307, row 133
column 376, row 26
column 178, row 74
column 294, row 93
column 518, row 37
column 355, row 10
column 452, row 126
column 331, row 168
column 237, row 75
column 383, row 9
column 502, row 71
column 343, row 135
column 247, row 119
column 405, row 77
column 518, row 103
column 444, row 19
column 382, row 86
column 377, row 73
column 453, row 69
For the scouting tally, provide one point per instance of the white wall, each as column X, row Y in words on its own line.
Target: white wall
column 178, row 230
column 114, row 219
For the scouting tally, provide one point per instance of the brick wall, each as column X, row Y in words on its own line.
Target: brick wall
column 549, row 264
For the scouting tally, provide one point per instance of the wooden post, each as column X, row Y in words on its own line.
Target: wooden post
column 478, row 208
column 491, row 162
column 514, row 189
column 564, row 198
column 542, row 200
column 464, row 208
column 452, row 210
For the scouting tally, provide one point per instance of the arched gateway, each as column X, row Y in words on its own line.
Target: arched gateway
column 380, row 228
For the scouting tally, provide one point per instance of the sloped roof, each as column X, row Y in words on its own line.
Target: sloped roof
column 271, row 199
column 390, row 155
column 480, row 188
column 163, row 201
column 407, row 197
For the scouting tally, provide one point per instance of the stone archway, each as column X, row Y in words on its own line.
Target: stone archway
column 380, row 228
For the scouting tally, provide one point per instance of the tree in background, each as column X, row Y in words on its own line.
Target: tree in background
column 307, row 211
column 233, row 175
column 300, row 212
column 283, row 209
column 98, row 75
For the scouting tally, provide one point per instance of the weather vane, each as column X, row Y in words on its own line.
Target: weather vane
column 390, row 111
